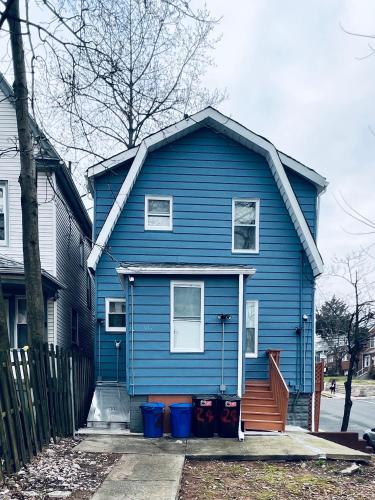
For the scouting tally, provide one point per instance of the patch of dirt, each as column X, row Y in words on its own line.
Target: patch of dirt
column 276, row 480
column 59, row 471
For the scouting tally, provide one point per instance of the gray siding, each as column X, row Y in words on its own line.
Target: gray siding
column 73, row 276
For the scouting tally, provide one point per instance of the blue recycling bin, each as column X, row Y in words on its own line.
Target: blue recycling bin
column 152, row 414
column 181, row 414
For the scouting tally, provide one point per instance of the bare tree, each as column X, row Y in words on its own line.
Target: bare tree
column 4, row 339
column 120, row 70
column 27, row 179
column 145, row 72
column 356, row 273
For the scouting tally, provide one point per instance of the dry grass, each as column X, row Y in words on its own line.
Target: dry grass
column 275, row 481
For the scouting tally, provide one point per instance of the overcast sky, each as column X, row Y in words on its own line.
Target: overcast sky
column 293, row 75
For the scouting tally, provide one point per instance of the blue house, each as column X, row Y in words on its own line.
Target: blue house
column 205, row 264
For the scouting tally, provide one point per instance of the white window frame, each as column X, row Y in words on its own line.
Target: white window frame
column 257, row 204
column 5, row 241
column 161, row 198
column 115, row 329
column 196, row 284
column 15, row 330
column 366, row 361
column 256, row 328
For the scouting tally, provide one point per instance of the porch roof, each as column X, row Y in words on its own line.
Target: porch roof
column 128, row 268
column 13, row 269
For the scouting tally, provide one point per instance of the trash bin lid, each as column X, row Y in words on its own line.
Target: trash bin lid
column 152, row 405
column 180, row 405
column 229, row 398
column 205, row 396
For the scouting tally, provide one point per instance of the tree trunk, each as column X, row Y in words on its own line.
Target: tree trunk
column 348, row 396
column 4, row 338
column 28, row 182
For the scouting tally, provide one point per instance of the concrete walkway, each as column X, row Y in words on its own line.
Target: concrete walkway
column 152, row 468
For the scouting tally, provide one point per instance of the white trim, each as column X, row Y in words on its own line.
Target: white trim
column 257, row 208
column 301, row 169
column 149, row 197
column 185, row 284
column 195, row 271
column 4, row 184
column 113, row 162
column 240, row 336
column 108, row 328
column 253, row 355
column 237, row 132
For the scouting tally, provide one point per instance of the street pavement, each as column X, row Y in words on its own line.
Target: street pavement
column 362, row 416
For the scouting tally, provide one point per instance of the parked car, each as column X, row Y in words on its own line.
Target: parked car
column 369, row 436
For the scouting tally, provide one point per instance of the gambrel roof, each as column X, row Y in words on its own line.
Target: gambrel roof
column 214, row 119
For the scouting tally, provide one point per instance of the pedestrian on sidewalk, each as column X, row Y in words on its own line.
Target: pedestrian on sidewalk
column 333, row 386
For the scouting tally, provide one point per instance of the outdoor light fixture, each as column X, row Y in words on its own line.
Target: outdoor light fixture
column 224, row 317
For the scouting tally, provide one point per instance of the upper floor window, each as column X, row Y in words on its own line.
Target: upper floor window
column 158, row 213
column 245, row 226
column 372, row 341
column 3, row 213
column 115, row 315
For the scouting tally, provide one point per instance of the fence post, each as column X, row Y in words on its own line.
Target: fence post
column 72, row 393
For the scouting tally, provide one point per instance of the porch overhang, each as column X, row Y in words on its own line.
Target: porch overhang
column 134, row 269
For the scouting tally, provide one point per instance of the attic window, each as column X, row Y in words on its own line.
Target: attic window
column 158, row 213
column 245, row 226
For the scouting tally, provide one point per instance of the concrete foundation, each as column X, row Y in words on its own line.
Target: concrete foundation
column 136, row 423
column 299, row 410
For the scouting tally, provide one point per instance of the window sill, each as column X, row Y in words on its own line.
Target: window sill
column 251, row 356
column 200, row 351
column 245, row 251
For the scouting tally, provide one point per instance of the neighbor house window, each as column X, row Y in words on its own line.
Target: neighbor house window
column 372, row 342
column 3, row 213
column 20, row 334
column 366, row 361
column 74, row 329
column 115, row 315
column 245, row 226
column 158, row 213
column 251, row 329
column 187, row 316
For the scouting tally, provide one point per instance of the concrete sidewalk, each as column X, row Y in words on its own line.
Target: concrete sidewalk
column 152, row 468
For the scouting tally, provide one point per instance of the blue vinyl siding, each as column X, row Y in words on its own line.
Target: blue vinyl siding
column 306, row 195
column 203, row 172
column 156, row 369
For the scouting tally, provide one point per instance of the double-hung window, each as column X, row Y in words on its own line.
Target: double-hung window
column 115, row 315
column 158, row 213
column 251, row 329
column 187, row 316
column 3, row 213
column 245, row 226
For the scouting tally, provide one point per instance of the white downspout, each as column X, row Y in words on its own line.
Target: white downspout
column 240, row 335
column 241, row 434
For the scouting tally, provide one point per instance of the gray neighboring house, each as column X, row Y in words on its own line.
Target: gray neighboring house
column 64, row 237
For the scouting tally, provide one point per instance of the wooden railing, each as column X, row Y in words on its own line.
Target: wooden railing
column 279, row 388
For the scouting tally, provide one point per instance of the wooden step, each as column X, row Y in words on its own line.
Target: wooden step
column 259, row 407
column 256, row 397
column 252, row 386
column 263, row 416
column 259, row 393
column 263, row 425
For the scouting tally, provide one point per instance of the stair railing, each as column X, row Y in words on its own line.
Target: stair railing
column 279, row 388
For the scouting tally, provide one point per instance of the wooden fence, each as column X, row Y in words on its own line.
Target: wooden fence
column 45, row 393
